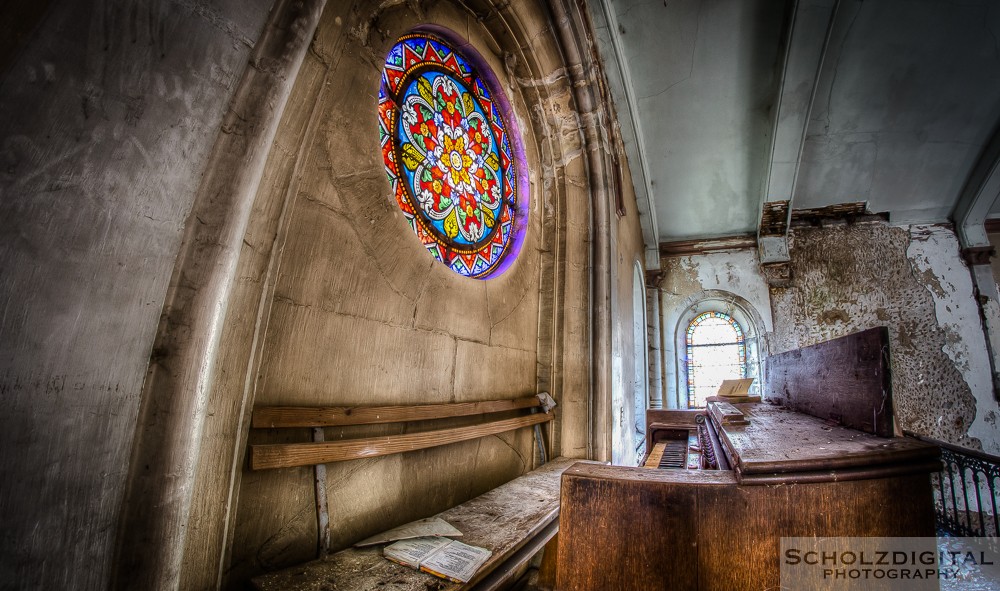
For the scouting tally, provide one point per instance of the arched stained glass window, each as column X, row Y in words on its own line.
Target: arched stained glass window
column 447, row 146
column 716, row 351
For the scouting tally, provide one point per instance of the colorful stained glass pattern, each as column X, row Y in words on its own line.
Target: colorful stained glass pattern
column 716, row 351
column 448, row 155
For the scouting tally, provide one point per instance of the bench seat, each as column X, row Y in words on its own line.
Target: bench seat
column 514, row 521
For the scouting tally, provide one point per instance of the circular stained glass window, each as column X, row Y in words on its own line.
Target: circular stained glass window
column 447, row 151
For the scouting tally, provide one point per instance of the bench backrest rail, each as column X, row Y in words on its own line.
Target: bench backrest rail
column 282, row 455
column 335, row 416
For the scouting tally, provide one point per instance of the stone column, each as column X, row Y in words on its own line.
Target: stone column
column 653, row 322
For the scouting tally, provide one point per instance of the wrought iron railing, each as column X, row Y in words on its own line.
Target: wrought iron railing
column 965, row 491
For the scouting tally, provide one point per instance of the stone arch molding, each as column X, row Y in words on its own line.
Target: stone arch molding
column 741, row 310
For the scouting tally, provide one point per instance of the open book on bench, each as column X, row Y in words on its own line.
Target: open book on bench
column 441, row 557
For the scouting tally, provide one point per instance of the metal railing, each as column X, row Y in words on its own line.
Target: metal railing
column 965, row 491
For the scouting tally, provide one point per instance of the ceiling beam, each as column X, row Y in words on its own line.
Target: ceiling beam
column 974, row 204
column 809, row 31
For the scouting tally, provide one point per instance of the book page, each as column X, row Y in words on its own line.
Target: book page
column 456, row 561
column 423, row 528
column 413, row 551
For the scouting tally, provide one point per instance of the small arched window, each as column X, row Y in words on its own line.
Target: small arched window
column 716, row 351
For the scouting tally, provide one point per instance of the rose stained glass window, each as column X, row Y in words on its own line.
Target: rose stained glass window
column 447, row 152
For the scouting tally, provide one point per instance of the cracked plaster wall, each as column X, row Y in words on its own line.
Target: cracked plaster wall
column 362, row 315
column 108, row 112
column 911, row 279
column 850, row 278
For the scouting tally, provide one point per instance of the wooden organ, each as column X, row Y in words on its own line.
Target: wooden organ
column 722, row 485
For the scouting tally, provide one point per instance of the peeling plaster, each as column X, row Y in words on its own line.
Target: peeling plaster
column 853, row 277
column 934, row 256
column 737, row 272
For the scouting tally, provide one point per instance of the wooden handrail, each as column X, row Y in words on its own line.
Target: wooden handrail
column 283, row 455
column 335, row 416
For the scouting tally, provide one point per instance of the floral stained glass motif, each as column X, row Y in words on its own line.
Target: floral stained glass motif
column 716, row 351
column 448, row 155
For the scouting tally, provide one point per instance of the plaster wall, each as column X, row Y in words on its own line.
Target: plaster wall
column 625, row 402
column 913, row 280
column 108, row 112
column 690, row 279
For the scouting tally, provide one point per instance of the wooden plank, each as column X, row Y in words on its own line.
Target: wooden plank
column 738, row 542
column 843, row 380
column 272, row 417
column 284, row 455
column 782, row 441
column 702, row 245
column 617, row 524
column 725, row 413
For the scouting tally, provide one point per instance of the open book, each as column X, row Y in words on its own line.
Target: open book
column 423, row 528
column 735, row 391
column 441, row 557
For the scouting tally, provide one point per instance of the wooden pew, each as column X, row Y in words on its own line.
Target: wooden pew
column 515, row 521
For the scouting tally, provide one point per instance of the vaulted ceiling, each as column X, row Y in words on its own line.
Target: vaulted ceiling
column 726, row 105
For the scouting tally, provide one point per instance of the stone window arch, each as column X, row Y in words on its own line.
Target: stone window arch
column 745, row 319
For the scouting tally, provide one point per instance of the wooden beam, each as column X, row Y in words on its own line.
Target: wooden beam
column 774, row 218
column 978, row 255
column 850, row 213
column 285, row 455
column 273, row 417
column 700, row 246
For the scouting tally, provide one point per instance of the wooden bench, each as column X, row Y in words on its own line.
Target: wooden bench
column 514, row 520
